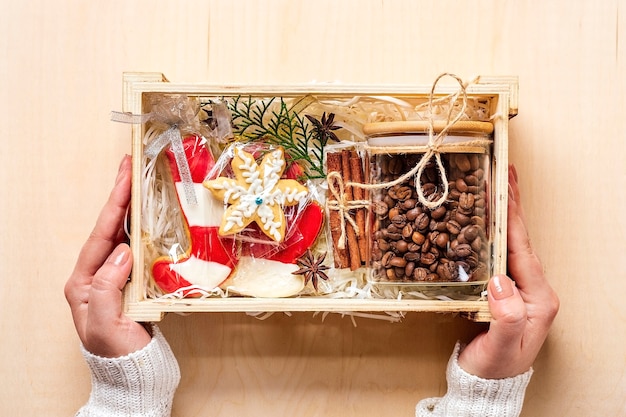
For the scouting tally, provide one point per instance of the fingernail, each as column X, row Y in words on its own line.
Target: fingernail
column 501, row 287
column 118, row 257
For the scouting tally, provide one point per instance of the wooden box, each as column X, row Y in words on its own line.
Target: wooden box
column 500, row 94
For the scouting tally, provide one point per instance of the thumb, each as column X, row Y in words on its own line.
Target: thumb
column 105, row 299
column 494, row 354
column 508, row 312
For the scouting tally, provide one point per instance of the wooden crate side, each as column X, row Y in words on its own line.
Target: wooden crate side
column 500, row 166
column 502, row 89
column 152, row 310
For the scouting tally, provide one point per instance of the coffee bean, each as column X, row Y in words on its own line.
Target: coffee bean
column 474, row 161
column 407, row 231
column 432, row 277
column 431, row 174
column 462, row 219
column 439, row 212
column 392, row 228
column 427, row 258
column 399, row 221
column 409, row 203
column 477, row 244
column 471, row 232
column 462, row 162
column 420, row 274
column 412, row 214
column 442, row 240
column 414, row 247
column 461, row 185
column 422, row 222
column 466, row 203
column 401, row 246
column 463, row 250
column 380, row 208
column 412, row 256
column 471, row 180
column 478, row 221
column 400, row 192
column 418, row 238
column 454, row 194
column 397, row 261
column 448, row 271
column 409, row 268
column 453, row 227
column 395, row 166
column 399, row 272
column 428, row 189
column 386, row 259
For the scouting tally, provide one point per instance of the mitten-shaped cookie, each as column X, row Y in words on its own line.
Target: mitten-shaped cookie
column 206, row 263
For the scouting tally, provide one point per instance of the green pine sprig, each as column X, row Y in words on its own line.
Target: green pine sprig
column 303, row 138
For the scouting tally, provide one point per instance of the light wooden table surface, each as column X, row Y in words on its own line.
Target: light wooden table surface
column 60, row 72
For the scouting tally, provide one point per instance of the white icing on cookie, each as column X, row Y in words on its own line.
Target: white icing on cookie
column 205, row 274
column 256, row 277
column 207, row 212
column 257, row 193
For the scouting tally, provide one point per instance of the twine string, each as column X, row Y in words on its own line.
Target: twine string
column 336, row 185
column 343, row 205
column 432, row 149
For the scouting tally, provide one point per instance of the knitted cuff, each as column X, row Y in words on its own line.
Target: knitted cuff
column 139, row 384
column 471, row 396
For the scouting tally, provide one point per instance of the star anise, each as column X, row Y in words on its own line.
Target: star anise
column 325, row 127
column 312, row 268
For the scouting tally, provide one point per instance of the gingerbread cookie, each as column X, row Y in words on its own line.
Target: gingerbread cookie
column 257, row 194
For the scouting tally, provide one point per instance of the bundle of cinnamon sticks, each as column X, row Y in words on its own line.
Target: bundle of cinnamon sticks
column 349, row 165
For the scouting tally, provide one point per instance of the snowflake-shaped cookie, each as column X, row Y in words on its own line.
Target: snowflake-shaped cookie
column 256, row 194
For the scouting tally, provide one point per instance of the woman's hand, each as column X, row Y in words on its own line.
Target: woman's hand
column 522, row 312
column 94, row 290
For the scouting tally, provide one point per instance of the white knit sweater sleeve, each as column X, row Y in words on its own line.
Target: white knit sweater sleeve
column 139, row 384
column 471, row 396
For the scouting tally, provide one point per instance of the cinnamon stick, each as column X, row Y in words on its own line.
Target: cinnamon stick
column 356, row 170
column 341, row 257
column 351, row 239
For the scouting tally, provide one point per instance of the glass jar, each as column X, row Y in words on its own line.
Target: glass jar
column 442, row 236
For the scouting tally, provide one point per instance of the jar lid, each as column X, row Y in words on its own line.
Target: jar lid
column 422, row 126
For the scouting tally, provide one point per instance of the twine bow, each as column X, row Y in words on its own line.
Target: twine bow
column 343, row 205
column 435, row 141
column 432, row 147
